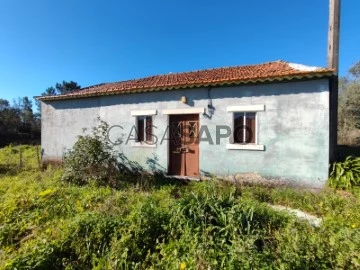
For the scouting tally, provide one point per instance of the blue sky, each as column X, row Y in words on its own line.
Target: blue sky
column 43, row 42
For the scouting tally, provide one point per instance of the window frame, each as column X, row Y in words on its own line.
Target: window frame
column 143, row 114
column 244, row 129
column 245, row 109
column 144, row 117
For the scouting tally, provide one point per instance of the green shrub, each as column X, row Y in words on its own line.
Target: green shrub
column 212, row 228
column 92, row 158
column 345, row 174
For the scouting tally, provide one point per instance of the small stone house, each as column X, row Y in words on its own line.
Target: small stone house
column 274, row 119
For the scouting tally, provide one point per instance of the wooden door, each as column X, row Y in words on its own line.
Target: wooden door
column 184, row 145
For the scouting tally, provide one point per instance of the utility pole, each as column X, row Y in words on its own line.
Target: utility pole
column 333, row 42
column 333, row 63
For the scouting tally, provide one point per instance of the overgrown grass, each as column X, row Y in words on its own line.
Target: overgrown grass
column 14, row 159
column 46, row 223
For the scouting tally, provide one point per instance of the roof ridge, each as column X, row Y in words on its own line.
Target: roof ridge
column 207, row 69
column 183, row 72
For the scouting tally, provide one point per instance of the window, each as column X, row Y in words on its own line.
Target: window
column 245, row 127
column 144, row 126
column 144, row 129
column 244, row 130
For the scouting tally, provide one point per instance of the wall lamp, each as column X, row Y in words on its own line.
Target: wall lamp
column 183, row 99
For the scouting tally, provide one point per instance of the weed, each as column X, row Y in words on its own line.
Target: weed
column 346, row 174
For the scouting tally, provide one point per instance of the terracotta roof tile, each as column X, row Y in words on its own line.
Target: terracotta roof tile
column 266, row 72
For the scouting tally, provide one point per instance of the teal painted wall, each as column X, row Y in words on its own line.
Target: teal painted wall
column 294, row 128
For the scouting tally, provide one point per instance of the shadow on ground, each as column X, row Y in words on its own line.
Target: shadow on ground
column 154, row 176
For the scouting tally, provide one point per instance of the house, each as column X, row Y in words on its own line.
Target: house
column 273, row 119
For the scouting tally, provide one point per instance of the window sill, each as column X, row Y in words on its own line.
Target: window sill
column 143, row 145
column 254, row 147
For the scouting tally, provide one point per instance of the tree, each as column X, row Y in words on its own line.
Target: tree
column 17, row 122
column 50, row 91
column 349, row 106
column 9, row 117
column 26, row 104
column 10, row 121
column 27, row 112
column 355, row 70
column 4, row 104
column 66, row 87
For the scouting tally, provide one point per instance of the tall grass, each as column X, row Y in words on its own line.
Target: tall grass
column 46, row 223
column 15, row 159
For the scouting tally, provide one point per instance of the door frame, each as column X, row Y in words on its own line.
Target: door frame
column 198, row 111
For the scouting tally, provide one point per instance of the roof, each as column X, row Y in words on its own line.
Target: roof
column 262, row 73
